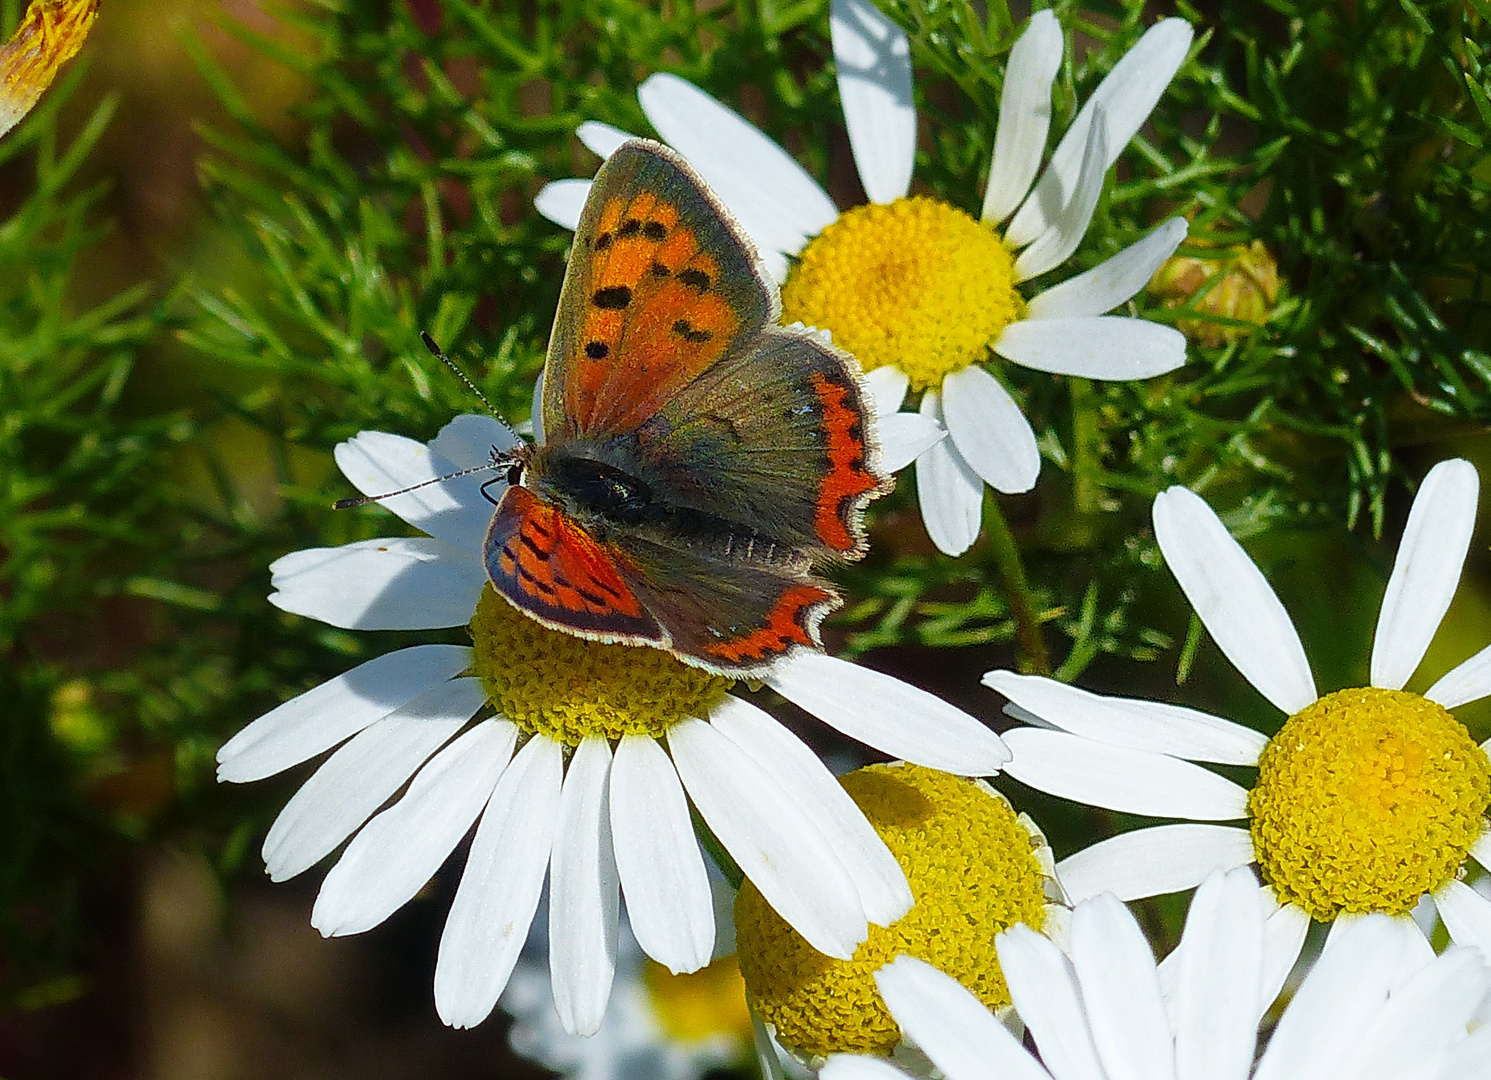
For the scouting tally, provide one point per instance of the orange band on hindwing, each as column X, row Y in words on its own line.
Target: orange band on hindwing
column 789, row 623
column 849, row 478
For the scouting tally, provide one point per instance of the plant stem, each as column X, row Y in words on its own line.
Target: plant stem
column 1033, row 656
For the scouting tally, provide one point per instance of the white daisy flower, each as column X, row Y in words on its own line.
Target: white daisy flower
column 1367, row 799
column 916, row 289
column 584, row 766
column 1379, row 1005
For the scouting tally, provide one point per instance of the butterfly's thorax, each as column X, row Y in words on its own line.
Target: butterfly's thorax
column 607, row 487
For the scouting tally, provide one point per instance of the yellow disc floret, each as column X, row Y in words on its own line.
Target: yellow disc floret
column 915, row 283
column 556, row 684
column 973, row 872
column 1365, row 801
column 704, row 1006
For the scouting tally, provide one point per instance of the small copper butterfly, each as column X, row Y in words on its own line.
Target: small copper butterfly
column 697, row 458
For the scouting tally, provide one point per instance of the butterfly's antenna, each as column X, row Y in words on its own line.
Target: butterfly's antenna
column 448, row 362
column 498, row 462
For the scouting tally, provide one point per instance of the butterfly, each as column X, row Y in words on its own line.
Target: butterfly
column 697, row 459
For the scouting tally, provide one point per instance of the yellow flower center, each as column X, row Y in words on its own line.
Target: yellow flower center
column 1366, row 800
column 917, row 284
column 704, row 1006
column 973, row 872
column 566, row 687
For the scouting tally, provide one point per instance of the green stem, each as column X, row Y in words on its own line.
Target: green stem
column 1033, row 656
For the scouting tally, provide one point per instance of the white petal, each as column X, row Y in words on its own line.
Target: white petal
column 873, row 61
column 1119, row 778
column 951, row 1026
column 1425, row 1017
column 1043, row 987
column 1126, row 96
column 397, row 583
column 1335, row 1005
column 854, row 1067
column 453, row 510
column 1220, row 980
column 469, row 440
column 536, row 410
column 602, row 140
column 892, row 716
column 887, row 384
column 668, row 899
column 768, row 1059
column 1469, row 1059
column 399, row 850
column 1426, row 572
column 877, row 876
column 1024, row 115
column 950, row 493
column 775, row 845
column 1112, row 282
column 364, row 774
column 561, row 201
column 1469, row 682
column 1140, row 725
column 499, row 890
column 1055, row 245
column 904, row 437
column 988, row 430
column 777, row 202
column 1284, row 938
column 1232, row 599
column 339, row 708
column 1480, row 847
column 1094, row 347
column 1153, row 861
column 1466, row 914
column 583, row 893
column 1121, row 992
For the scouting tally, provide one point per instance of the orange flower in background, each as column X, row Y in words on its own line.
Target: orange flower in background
column 50, row 34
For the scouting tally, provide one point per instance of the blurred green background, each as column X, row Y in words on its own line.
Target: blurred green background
column 222, row 230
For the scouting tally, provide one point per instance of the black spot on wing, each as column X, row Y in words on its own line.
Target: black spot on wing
column 655, row 231
column 697, row 279
column 612, row 297
column 630, row 227
column 685, row 329
column 597, row 350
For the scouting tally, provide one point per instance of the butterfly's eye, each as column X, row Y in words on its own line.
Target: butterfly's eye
column 515, row 474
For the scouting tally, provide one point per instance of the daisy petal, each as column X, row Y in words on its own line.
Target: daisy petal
column 1220, row 979
column 1126, row 96
column 1094, row 347
column 1054, row 246
column 1423, row 1018
column 768, row 1060
column 1283, row 939
column 668, row 899
column 950, row 493
column 1469, row 682
column 877, row 876
column 887, row 384
column 894, row 717
column 1043, row 986
column 469, row 440
column 777, row 202
column 454, row 510
column 1335, row 1005
column 988, row 430
column 399, row 850
column 396, row 583
column 873, row 60
column 1119, row 778
column 364, row 774
column 770, row 839
column 500, row 887
column 1139, row 725
column 1232, row 599
column 1426, row 572
column 1112, row 282
column 1466, row 914
column 1121, row 992
column 583, row 893
column 953, row 1028
column 561, row 202
column 1153, row 861
column 1024, row 115
column 1468, row 1059
column 339, row 708
column 1480, row 847
column 854, row 1067
column 602, row 140
column 904, row 437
